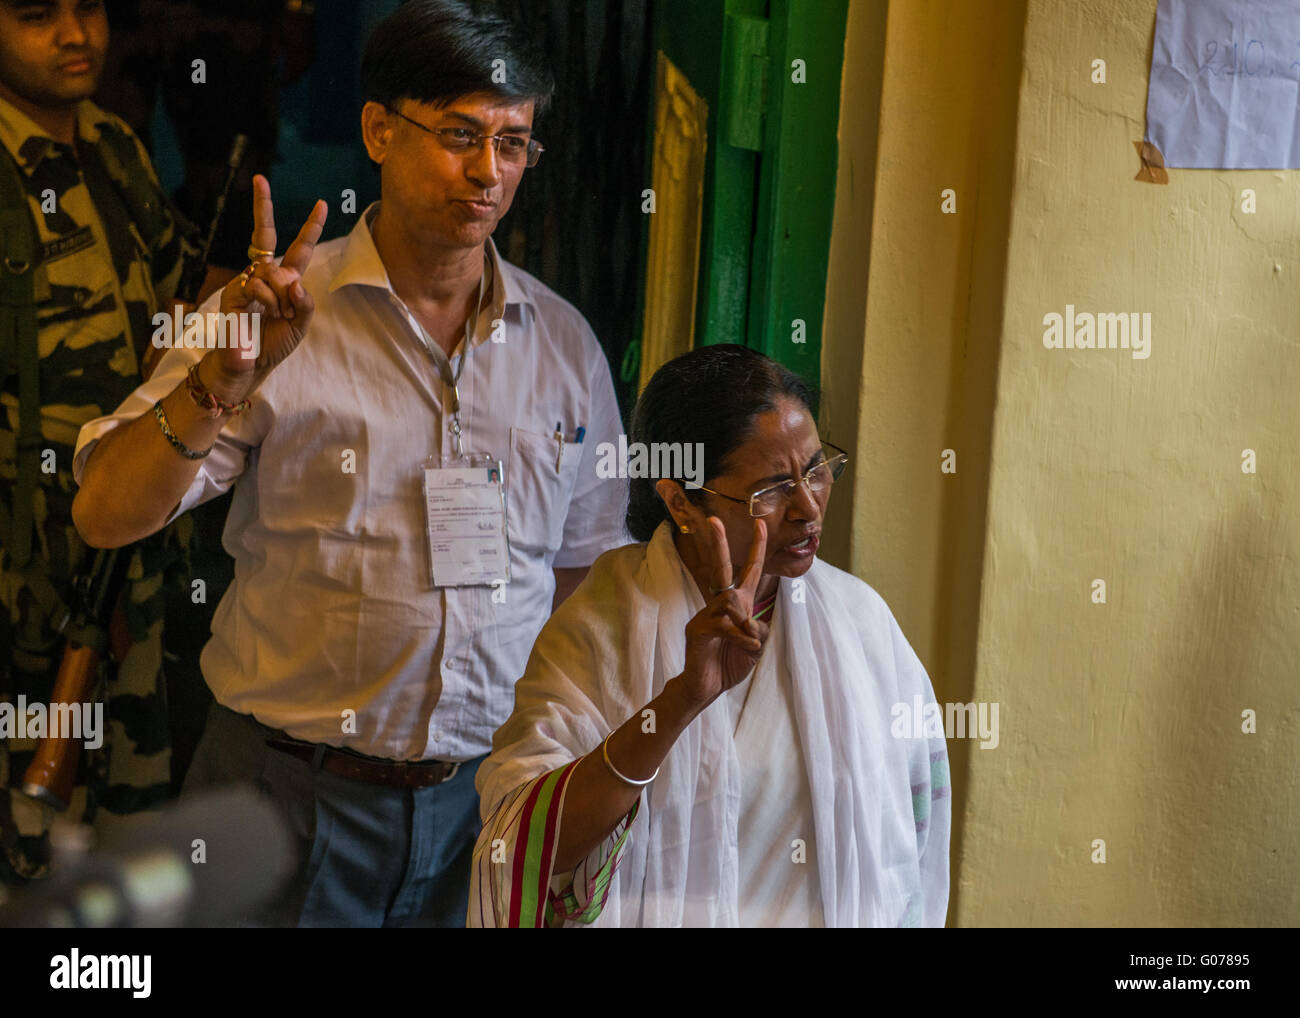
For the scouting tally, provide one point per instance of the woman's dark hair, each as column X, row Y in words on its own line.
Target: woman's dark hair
column 711, row 396
column 436, row 51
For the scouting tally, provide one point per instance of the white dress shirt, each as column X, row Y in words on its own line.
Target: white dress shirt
column 331, row 609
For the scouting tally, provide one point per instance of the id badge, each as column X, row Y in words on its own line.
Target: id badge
column 465, row 515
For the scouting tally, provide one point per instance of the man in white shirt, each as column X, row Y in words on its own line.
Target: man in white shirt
column 353, row 681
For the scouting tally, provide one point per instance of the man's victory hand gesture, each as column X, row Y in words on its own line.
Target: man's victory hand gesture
column 273, row 291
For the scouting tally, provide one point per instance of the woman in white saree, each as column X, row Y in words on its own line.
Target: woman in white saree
column 702, row 736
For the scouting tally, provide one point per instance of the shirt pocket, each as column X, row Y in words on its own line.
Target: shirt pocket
column 537, row 494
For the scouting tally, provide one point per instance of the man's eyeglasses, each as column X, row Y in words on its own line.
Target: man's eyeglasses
column 819, row 478
column 513, row 149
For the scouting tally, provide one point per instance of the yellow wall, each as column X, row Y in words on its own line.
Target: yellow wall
column 1119, row 721
column 849, row 257
column 918, row 378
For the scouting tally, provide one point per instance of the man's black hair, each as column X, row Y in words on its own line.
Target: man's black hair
column 438, row 51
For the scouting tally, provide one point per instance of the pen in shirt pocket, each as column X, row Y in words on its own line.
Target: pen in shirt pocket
column 578, row 436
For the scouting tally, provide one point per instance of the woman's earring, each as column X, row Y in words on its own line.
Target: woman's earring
column 685, row 529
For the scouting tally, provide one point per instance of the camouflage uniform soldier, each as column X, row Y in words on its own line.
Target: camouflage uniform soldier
column 90, row 244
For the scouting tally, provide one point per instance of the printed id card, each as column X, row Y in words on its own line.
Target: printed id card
column 465, row 510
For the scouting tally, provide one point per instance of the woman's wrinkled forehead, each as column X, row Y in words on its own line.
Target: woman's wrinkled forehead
column 780, row 443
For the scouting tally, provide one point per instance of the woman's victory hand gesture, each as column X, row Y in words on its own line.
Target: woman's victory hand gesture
column 723, row 642
column 275, row 291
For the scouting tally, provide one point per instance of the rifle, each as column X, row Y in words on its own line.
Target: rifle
column 51, row 775
column 188, row 290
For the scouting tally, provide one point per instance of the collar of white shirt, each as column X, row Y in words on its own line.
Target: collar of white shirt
column 362, row 266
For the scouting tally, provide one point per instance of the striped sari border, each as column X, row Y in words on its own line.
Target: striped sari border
column 532, row 865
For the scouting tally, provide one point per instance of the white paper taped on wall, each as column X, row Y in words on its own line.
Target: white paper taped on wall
column 1225, row 84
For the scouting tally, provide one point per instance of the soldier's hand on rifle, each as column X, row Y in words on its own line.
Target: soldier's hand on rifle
column 273, row 291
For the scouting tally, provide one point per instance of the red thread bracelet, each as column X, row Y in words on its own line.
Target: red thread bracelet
column 207, row 400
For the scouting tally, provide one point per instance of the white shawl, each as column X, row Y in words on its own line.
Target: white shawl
column 881, row 805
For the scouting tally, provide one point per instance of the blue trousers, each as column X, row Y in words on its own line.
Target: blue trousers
column 369, row 855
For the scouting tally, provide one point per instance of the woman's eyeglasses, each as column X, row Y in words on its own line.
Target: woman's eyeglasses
column 818, row 479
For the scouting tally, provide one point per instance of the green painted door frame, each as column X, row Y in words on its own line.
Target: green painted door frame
column 770, row 71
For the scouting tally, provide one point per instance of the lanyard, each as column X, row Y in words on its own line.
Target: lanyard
column 453, row 381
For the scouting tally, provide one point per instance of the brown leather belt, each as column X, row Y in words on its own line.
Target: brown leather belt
column 370, row 769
